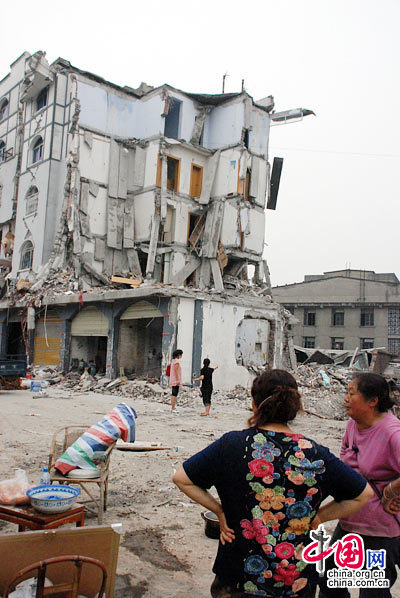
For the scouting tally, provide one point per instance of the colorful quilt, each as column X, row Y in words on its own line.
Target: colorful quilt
column 89, row 448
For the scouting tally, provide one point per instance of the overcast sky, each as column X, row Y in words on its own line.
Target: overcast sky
column 339, row 195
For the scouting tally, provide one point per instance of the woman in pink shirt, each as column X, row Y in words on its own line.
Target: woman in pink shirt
column 371, row 446
column 175, row 377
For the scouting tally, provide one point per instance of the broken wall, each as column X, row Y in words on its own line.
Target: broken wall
column 251, row 345
column 220, row 322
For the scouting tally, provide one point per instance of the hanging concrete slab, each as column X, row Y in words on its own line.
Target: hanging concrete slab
column 180, row 277
column 208, row 180
column 115, row 209
column 216, row 274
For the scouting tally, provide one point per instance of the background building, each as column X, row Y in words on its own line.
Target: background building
column 344, row 309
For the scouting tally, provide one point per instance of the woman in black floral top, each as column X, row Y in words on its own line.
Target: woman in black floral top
column 270, row 482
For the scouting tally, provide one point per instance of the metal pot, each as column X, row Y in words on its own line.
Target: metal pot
column 211, row 528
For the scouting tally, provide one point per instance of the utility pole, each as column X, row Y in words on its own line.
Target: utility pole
column 223, row 82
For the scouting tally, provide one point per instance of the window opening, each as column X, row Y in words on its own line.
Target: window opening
column 2, row 151
column 394, row 346
column 196, row 226
column 394, row 320
column 37, row 151
column 258, row 347
column 26, row 256
column 246, row 138
column 337, row 344
column 32, row 200
column 196, row 180
column 337, row 318
column 171, row 127
column 367, row 343
column 367, row 317
column 4, row 109
column 41, row 100
column 172, row 174
column 309, row 318
column 309, row 342
column 247, row 183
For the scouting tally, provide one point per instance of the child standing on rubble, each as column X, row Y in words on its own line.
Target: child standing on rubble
column 206, row 384
column 175, row 379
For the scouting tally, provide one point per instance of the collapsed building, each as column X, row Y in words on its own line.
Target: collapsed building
column 129, row 219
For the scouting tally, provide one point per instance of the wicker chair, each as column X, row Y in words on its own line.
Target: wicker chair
column 68, row 589
column 62, row 439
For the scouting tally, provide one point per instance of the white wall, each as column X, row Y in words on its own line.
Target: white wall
column 94, row 162
column 97, row 211
column 143, row 210
column 106, row 110
column 148, row 112
column 254, row 241
column 7, row 172
column 262, row 182
column 185, row 336
column 259, row 135
column 226, row 177
column 223, row 125
column 220, row 321
column 31, row 227
column 229, row 231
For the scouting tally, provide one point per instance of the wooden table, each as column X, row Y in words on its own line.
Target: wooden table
column 27, row 517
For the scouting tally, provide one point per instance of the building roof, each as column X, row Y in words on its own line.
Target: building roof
column 212, row 99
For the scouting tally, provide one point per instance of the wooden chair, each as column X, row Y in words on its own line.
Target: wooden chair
column 62, row 439
column 68, row 589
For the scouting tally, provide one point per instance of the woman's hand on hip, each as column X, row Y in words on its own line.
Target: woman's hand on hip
column 391, row 505
column 226, row 533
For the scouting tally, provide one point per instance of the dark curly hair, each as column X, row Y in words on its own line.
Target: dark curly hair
column 276, row 397
column 373, row 386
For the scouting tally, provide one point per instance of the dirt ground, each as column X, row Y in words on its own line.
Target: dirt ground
column 164, row 552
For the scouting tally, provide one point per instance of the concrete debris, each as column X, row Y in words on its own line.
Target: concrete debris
column 322, row 388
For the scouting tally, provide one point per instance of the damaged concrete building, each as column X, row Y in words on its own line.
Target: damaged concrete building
column 345, row 309
column 129, row 219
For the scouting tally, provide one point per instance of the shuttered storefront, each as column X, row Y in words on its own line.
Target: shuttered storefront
column 141, row 309
column 47, row 339
column 90, row 322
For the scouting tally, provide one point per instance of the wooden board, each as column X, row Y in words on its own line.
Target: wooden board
column 140, row 446
column 133, row 282
column 20, row 550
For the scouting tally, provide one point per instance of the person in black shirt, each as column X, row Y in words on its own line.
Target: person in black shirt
column 271, row 483
column 206, row 384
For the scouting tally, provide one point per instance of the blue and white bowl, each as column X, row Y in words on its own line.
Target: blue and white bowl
column 53, row 498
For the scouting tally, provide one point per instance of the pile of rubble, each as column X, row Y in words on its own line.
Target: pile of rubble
column 140, row 387
column 323, row 389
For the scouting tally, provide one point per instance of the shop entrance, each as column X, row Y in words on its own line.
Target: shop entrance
column 15, row 340
column 89, row 332
column 140, row 340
